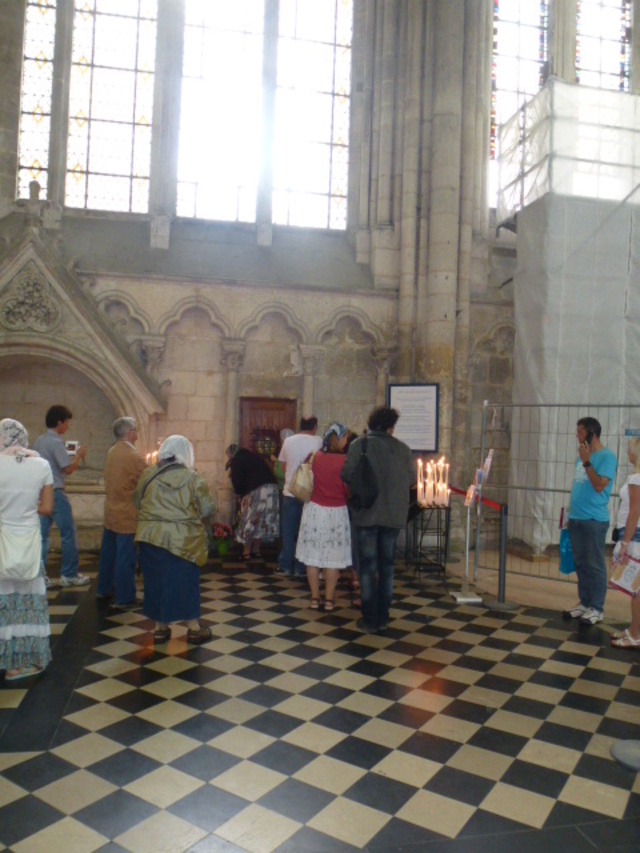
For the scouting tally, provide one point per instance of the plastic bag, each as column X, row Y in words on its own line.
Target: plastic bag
column 567, row 564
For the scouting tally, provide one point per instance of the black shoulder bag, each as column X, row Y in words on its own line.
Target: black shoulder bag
column 363, row 483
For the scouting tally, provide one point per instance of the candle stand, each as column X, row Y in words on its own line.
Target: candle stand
column 426, row 544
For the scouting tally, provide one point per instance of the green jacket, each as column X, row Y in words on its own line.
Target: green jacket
column 171, row 510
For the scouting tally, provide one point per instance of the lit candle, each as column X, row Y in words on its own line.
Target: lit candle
column 446, row 476
column 420, row 484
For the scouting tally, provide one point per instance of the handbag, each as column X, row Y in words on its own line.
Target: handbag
column 567, row 564
column 20, row 554
column 301, row 485
column 626, row 576
column 363, row 483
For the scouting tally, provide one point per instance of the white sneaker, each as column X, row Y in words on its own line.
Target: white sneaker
column 77, row 580
column 51, row 583
column 591, row 616
column 576, row 611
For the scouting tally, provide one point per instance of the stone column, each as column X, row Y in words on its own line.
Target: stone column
column 635, row 47
column 60, row 103
column 232, row 358
column 12, row 29
column 311, row 359
column 562, row 39
column 384, row 356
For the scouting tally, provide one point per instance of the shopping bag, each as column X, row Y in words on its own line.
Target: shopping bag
column 567, row 565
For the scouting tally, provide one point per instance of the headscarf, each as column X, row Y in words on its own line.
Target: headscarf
column 337, row 429
column 231, row 452
column 177, row 448
column 14, row 439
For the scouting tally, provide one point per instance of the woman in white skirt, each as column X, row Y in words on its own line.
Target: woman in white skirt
column 26, row 491
column 324, row 541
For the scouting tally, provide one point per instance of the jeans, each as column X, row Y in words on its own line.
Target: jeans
column 588, row 545
column 376, row 553
column 118, row 560
column 63, row 519
column 291, row 517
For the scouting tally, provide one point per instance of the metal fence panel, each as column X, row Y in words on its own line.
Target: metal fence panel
column 534, row 457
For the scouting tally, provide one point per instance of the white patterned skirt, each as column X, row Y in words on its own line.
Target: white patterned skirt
column 325, row 537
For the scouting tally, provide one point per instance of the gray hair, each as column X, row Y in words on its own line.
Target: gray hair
column 123, row 426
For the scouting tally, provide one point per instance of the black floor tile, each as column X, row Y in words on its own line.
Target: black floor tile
column 528, row 707
column 265, row 696
column 563, row 736
column 605, row 771
column 469, row 711
column 341, row 720
column 39, row 771
column 115, row 813
column 458, row 785
column 444, row 686
column 307, row 840
column 286, row 758
column 358, row 752
column 579, row 702
column 202, row 727
column 131, row 730
column 205, row 762
column 532, row 777
column 25, row 817
column 208, row 807
column 429, row 746
column 124, row 767
column 296, row 800
column 405, row 715
column 273, row 723
column 381, row 793
column 400, row 835
column 494, row 740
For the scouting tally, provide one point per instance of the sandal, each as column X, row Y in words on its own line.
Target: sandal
column 17, row 674
column 199, row 636
column 162, row 635
column 618, row 635
column 625, row 641
column 329, row 604
column 315, row 604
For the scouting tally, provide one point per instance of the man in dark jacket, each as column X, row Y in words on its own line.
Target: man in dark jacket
column 378, row 526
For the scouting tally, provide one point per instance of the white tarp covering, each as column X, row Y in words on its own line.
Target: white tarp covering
column 570, row 140
column 577, row 317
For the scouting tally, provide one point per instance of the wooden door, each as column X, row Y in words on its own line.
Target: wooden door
column 261, row 419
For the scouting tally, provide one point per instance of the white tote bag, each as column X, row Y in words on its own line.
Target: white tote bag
column 20, row 554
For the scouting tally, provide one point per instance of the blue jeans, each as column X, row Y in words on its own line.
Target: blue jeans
column 118, row 560
column 291, row 517
column 63, row 519
column 376, row 553
column 588, row 545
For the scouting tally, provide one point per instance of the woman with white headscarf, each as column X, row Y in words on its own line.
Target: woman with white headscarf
column 173, row 504
column 26, row 491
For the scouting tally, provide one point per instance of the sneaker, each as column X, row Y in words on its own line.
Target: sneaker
column 591, row 616
column 366, row 629
column 76, row 580
column 576, row 611
column 51, row 583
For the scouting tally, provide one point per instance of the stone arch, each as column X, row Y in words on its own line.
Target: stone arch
column 356, row 315
column 105, row 300
column 187, row 304
column 498, row 339
column 292, row 321
column 123, row 394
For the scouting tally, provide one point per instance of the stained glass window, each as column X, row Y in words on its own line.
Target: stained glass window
column 603, row 50
column 37, row 82
column 520, row 29
column 310, row 150
column 111, row 104
column 221, row 110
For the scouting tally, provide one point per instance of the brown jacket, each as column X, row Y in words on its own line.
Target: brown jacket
column 121, row 474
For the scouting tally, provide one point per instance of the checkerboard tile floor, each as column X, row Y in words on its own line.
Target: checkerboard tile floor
column 461, row 729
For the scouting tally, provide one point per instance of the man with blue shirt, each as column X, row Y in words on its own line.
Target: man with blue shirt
column 589, row 520
column 52, row 448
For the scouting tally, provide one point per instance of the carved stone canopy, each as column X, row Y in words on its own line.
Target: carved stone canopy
column 28, row 302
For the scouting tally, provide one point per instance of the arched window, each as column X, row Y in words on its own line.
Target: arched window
column 603, row 43
column 520, row 53
column 260, row 130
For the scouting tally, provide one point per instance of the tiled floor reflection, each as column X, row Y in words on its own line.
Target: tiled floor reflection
column 460, row 729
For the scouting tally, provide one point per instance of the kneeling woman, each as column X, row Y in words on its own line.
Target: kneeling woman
column 173, row 502
column 324, row 541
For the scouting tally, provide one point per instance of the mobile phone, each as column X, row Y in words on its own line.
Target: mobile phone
column 588, row 437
